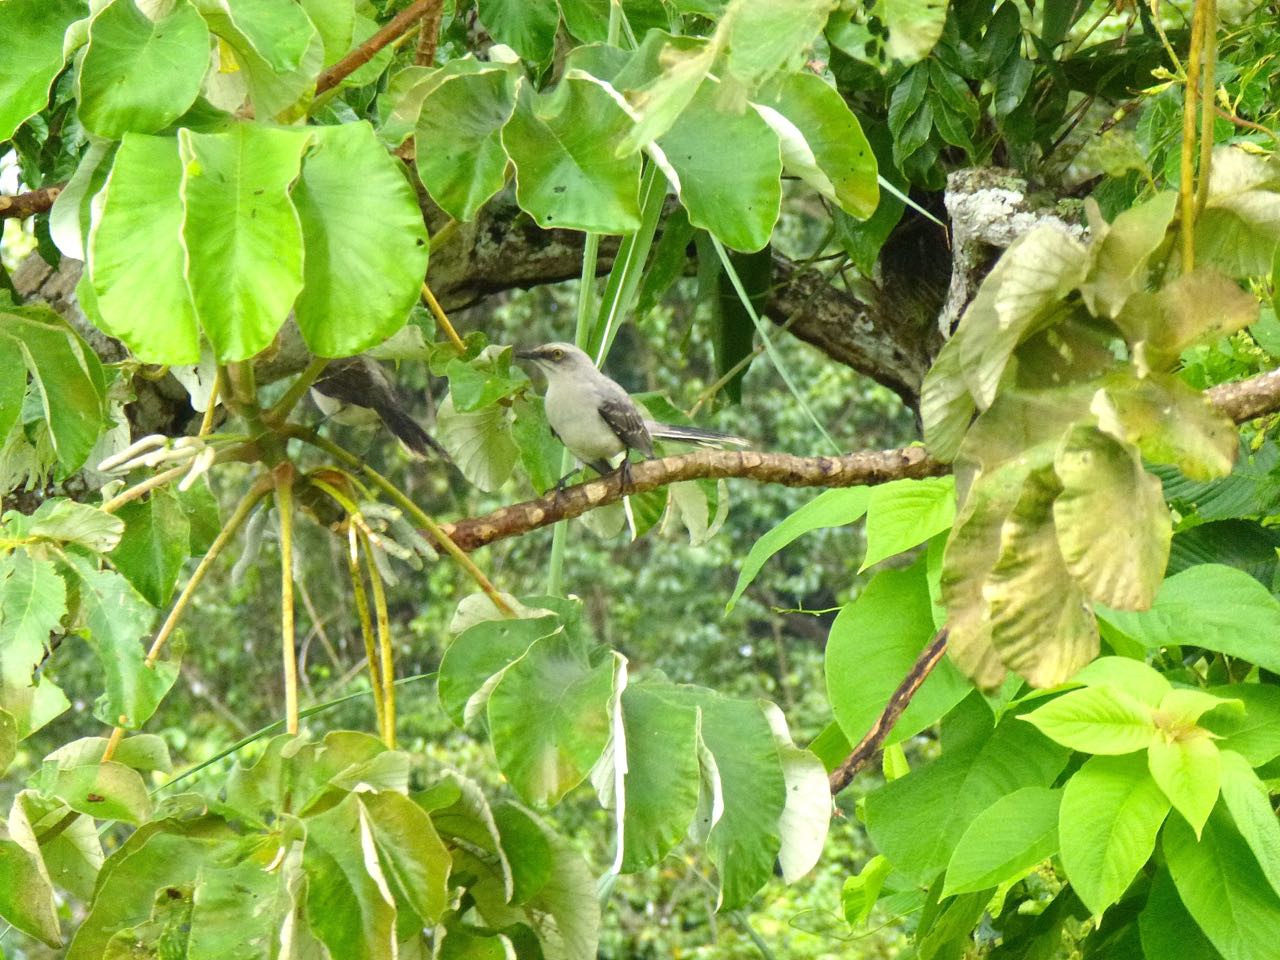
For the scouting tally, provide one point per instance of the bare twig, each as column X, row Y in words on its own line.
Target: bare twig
column 867, row 748
column 19, row 206
column 399, row 25
column 429, row 35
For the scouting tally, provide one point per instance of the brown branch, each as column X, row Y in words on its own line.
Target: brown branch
column 850, row 470
column 1246, row 399
column 429, row 35
column 397, row 27
column 22, row 205
column 867, row 748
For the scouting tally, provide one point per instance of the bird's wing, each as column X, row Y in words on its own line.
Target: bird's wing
column 624, row 419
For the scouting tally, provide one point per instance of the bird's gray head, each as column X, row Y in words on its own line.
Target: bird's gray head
column 554, row 358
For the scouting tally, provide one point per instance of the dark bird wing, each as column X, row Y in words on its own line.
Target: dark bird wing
column 622, row 416
column 361, row 382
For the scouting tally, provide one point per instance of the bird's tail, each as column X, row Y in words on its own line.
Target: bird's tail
column 694, row 435
column 410, row 433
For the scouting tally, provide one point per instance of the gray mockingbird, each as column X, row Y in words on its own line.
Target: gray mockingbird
column 596, row 419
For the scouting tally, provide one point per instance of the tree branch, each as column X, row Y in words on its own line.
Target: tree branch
column 395, row 28
column 869, row 745
column 1240, row 401
column 22, row 205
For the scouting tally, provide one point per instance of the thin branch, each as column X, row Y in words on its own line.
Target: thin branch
column 429, row 35
column 867, row 748
column 386, row 662
column 19, row 206
column 289, row 651
column 399, row 25
column 366, row 622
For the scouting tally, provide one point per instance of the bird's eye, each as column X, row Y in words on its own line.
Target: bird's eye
column 557, row 354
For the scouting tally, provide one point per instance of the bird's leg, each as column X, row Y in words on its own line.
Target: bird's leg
column 624, row 470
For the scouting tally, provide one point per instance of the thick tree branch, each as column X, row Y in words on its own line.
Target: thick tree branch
column 19, row 206
column 899, row 700
column 1240, row 401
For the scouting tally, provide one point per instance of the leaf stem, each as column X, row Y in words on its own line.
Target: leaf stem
column 366, row 623
column 206, row 422
column 386, row 655
column 1190, row 96
column 442, row 318
column 1209, row 62
column 283, row 477
column 279, row 413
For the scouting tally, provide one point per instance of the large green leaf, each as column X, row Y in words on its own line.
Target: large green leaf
column 1120, row 252
column 67, row 522
column 873, row 644
column 1200, row 306
column 1255, row 734
column 242, row 233
column 140, row 74
column 1166, row 928
column 1249, row 801
column 459, row 140
column 563, row 145
column 480, row 443
column 1212, row 606
column 70, row 220
column 660, row 789
column 1005, row 841
column 1111, row 812
column 917, row 820
column 26, row 891
column 477, row 654
column 33, row 31
column 66, row 380
column 527, row 26
column 32, row 604
column 272, row 53
column 914, row 27
column 413, row 856
column 1239, row 228
column 1112, row 524
column 905, row 513
column 113, row 618
column 1223, row 888
column 764, row 37
column 832, row 508
column 103, row 791
column 806, row 814
column 137, row 263
column 735, row 194
column 220, row 924
column 831, row 153
column 366, row 243
column 549, row 719
column 155, row 544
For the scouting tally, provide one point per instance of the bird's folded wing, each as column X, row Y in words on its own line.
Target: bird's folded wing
column 624, row 420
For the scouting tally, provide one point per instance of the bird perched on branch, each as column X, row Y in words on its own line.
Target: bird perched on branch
column 596, row 419
column 362, row 384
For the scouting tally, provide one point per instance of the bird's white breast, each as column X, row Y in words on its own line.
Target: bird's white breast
column 578, row 425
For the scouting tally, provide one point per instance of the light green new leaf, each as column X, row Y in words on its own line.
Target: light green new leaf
column 336, row 22
column 155, row 544
column 659, row 81
column 1208, row 605
column 8, row 738
column 1101, row 719
column 1137, row 679
column 33, row 32
column 1111, row 812
column 563, row 145
column 765, row 37
column 278, row 33
column 1113, row 526
column 873, row 644
column 1005, row 841
column 242, row 233
column 917, row 820
column 735, row 194
column 549, row 719
column 822, row 141
column 1249, row 801
column 1223, row 888
column 1120, row 251
column 806, row 814
column 138, row 74
column 365, row 242
column 832, row 508
column 905, row 513
column 103, row 791
column 914, row 27
column 413, row 856
column 67, row 522
column 32, row 604
column 480, row 443
column 459, row 140
column 1188, row 770
column 527, row 26
column 113, row 619
column 70, row 219
column 137, row 263
column 661, row 780
column 348, row 906
column 861, row 891
column 273, row 52
column 66, row 378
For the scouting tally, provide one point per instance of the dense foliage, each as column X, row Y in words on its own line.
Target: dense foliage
column 248, row 190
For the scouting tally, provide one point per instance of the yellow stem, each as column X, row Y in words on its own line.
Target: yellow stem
column 284, row 406
column 144, row 487
column 284, row 506
column 206, row 422
column 1190, row 96
column 1209, row 41
column 437, row 311
column 386, row 656
column 366, row 624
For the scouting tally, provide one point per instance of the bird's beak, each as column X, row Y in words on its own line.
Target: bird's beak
column 526, row 354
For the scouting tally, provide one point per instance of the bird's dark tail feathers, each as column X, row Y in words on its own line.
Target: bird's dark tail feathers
column 410, row 433
column 694, row 435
